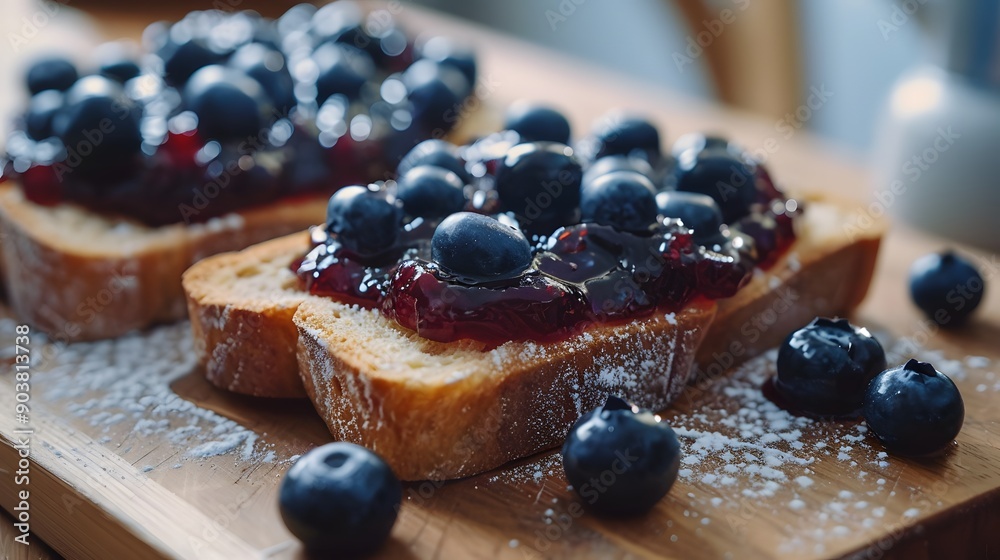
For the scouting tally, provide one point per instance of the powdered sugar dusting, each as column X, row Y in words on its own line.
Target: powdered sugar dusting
column 122, row 388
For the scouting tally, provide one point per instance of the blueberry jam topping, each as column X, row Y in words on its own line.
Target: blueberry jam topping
column 232, row 110
column 521, row 251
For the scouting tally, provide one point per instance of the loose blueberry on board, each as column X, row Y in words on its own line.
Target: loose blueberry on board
column 824, row 368
column 443, row 50
column 340, row 499
column 116, row 61
column 343, row 70
column 99, row 125
column 696, row 142
column 540, row 183
column 430, row 192
column 479, row 249
column 620, row 460
column 268, row 67
column 627, row 136
column 946, row 287
column 42, row 107
column 537, row 123
column 914, row 410
column 365, row 222
column 623, row 199
column 230, row 105
column 437, row 153
column 435, row 92
column 699, row 212
column 51, row 73
column 610, row 164
column 728, row 179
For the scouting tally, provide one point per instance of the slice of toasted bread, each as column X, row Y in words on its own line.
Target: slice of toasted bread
column 441, row 411
column 77, row 275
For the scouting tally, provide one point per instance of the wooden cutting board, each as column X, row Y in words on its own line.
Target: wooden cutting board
column 133, row 455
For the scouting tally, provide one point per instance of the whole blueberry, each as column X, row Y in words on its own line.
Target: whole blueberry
column 436, row 92
column 540, row 183
column 914, row 409
column 99, row 125
column 230, row 105
column 609, row 164
column 343, row 70
column 55, row 73
column 620, row 460
column 340, row 499
column 537, row 123
column 696, row 142
column 699, row 212
column 42, row 108
column 437, row 153
column 268, row 67
column 627, row 136
column 181, row 59
column 946, row 287
column 728, row 179
column 824, row 368
column 365, row 222
column 623, row 199
column 443, row 50
column 431, row 192
column 478, row 249
column 116, row 61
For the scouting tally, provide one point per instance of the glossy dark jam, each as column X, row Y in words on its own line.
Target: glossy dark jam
column 582, row 274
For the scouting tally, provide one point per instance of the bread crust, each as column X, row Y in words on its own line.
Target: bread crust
column 79, row 276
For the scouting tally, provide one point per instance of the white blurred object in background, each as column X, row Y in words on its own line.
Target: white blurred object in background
column 938, row 154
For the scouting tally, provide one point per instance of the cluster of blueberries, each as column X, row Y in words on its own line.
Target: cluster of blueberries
column 618, row 176
column 222, row 92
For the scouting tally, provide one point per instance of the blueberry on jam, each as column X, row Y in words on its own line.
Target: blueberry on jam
column 51, row 73
column 443, row 50
column 229, row 104
column 610, row 164
column 627, row 136
column 699, row 212
column 340, row 499
column 825, row 367
column 41, row 110
column 537, row 123
column 430, row 192
column 946, row 287
column 116, row 61
column 540, row 183
column 436, row 92
column 437, row 153
column 181, row 59
column 621, row 460
column 728, row 179
column 99, row 126
column 478, row 249
column 914, row 410
column 343, row 70
column 696, row 142
column 267, row 66
column 623, row 199
column 363, row 221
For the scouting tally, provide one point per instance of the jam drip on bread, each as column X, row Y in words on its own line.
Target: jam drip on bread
column 231, row 110
column 545, row 239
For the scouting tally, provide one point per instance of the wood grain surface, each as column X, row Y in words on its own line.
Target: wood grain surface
column 102, row 489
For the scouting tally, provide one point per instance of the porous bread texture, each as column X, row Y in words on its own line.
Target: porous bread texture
column 241, row 307
column 439, row 411
column 78, row 275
